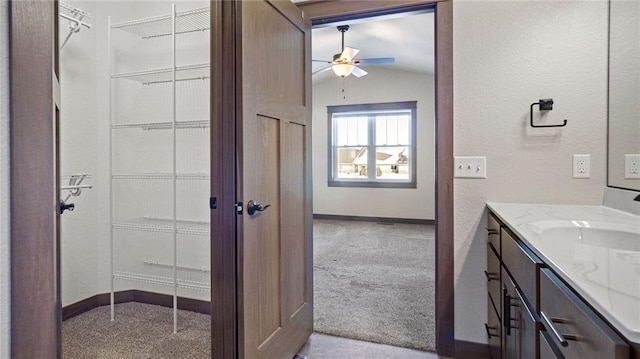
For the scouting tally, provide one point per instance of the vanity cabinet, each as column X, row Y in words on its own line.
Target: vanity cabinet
column 540, row 317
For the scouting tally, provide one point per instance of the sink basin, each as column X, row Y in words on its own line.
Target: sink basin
column 599, row 234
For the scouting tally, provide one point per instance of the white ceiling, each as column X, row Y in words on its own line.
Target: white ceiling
column 410, row 39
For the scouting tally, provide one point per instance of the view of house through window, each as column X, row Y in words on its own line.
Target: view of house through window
column 373, row 143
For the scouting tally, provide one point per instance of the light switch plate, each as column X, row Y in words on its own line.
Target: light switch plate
column 581, row 166
column 632, row 166
column 470, row 167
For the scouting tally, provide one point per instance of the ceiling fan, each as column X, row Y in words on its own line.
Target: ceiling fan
column 344, row 64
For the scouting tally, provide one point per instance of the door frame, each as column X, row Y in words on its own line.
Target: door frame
column 321, row 12
column 36, row 313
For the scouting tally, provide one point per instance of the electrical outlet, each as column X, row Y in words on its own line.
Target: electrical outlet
column 581, row 166
column 470, row 167
column 632, row 166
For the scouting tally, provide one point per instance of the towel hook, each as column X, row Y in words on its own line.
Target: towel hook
column 544, row 105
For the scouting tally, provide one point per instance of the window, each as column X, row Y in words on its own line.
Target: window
column 372, row 145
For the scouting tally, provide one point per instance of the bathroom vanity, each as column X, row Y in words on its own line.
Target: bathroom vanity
column 563, row 281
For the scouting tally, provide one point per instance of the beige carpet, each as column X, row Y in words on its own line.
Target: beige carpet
column 139, row 331
column 372, row 282
column 375, row 282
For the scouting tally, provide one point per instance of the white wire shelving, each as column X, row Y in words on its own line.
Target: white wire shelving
column 164, row 225
column 154, row 272
column 76, row 18
column 163, row 125
column 165, row 75
column 159, row 117
column 179, row 176
column 196, row 20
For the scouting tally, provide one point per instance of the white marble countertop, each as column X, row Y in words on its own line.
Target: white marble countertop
column 607, row 276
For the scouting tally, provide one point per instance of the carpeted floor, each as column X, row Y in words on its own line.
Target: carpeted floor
column 139, row 331
column 375, row 282
column 372, row 282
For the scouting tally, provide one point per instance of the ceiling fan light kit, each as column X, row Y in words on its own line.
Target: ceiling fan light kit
column 344, row 64
column 342, row 70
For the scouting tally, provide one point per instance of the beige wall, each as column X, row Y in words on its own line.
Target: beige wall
column 380, row 85
column 507, row 55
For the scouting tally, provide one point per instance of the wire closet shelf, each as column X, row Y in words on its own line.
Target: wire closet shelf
column 194, row 277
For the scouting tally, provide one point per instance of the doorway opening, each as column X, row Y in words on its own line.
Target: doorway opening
column 134, row 144
column 374, row 181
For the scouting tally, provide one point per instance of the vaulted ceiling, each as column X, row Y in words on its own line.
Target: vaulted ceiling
column 409, row 39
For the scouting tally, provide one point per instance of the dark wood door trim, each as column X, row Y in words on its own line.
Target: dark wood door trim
column 224, row 253
column 445, row 324
column 322, row 11
column 35, row 288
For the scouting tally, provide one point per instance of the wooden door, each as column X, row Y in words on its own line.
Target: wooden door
column 275, row 293
column 265, row 44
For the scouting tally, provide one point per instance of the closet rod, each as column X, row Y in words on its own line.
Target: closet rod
column 76, row 186
column 77, row 21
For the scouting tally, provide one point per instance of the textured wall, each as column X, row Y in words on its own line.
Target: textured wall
column 507, row 55
column 5, row 305
column 78, row 151
column 624, row 90
column 380, row 85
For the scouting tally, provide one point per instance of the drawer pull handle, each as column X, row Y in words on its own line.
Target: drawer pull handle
column 562, row 338
column 490, row 276
column 492, row 231
column 506, row 311
column 488, row 328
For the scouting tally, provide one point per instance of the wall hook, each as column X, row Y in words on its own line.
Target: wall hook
column 544, row 105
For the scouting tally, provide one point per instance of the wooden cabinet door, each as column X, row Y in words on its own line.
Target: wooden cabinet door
column 520, row 328
column 509, row 318
column 527, row 329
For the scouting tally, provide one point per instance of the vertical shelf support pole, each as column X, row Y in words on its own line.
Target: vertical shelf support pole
column 175, row 187
column 110, row 115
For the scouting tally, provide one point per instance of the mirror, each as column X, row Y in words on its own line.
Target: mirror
column 624, row 94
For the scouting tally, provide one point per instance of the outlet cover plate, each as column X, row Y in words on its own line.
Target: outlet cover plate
column 470, row 167
column 632, row 166
column 581, row 166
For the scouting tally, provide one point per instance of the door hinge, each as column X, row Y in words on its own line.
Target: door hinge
column 213, row 202
column 239, row 207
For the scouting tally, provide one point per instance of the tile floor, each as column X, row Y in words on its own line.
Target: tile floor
column 321, row 346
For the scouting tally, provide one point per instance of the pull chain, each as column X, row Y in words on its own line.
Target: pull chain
column 344, row 97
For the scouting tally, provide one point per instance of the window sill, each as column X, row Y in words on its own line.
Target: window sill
column 368, row 184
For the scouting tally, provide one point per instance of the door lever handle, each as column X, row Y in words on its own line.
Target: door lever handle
column 66, row 207
column 253, row 207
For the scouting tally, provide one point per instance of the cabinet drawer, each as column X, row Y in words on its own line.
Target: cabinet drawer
column 566, row 317
column 547, row 349
column 493, row 278
column 494, row 333
column 493, row 232
column 523, row 266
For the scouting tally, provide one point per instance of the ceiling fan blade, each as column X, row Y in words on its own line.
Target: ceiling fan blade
column 377, row 61
column 358, row 72
column 325, row 61
column 348, row 53
column 321, row 70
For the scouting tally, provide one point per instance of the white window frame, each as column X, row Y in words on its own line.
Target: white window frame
column 371, row 111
